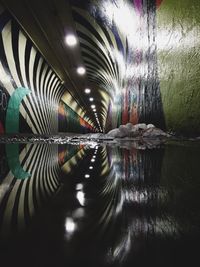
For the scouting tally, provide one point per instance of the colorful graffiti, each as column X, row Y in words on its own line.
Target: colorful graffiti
column 70, row 121
column 125, row 54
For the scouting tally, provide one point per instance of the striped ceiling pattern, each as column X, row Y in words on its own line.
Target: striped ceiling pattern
column 118, row 46
column 23, row 66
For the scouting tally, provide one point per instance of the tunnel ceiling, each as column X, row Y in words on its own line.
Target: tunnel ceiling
column 47, row 23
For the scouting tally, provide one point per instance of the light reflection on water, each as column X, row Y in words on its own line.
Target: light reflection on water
column 109, row 205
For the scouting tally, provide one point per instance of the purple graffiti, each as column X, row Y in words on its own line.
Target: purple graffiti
column 138, row 5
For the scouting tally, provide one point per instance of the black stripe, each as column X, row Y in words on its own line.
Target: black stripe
column 15, row 47
column 27, row 60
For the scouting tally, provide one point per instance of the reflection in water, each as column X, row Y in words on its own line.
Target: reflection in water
column 123, row 205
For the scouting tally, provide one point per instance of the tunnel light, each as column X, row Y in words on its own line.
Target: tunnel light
column 87, row 176
column 94, row 110
column 93, row 106
column 90, row 167
column 81, row 197
column 71, row 40
column 79, row 186
column 92, row 160
column 91, row 99
column 70, row 225
column 81, row 70
column 87, row 91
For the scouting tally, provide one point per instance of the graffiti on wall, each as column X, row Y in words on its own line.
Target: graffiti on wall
column 70, row 121
column 120, row 57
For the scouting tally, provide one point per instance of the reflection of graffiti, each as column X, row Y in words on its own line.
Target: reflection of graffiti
column 12, row 153
column 12, row 126
column 3, row 100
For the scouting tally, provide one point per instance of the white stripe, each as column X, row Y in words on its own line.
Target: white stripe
column 7, row 43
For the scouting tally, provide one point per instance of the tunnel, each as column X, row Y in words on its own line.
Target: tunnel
column 72, row 73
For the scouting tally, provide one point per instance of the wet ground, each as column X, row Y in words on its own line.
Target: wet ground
column 100, row 204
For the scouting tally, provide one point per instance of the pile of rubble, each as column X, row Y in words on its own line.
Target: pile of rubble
column 140, row 130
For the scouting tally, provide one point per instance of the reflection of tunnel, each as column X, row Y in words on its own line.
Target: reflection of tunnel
column 141, row 60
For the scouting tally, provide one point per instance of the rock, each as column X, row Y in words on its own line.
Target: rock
column 124, row 131
column 129, row 126
column 134, row 133
column 154, row 133
column 140, row 126
column 138, row 130
column 113, row 133
column 150, row 126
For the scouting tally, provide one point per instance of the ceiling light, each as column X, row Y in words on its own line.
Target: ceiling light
column 87, row 176
column 71, row 40
column 94, row 110
column 81, row 70
column 87, row 90
column 91, row 99
column 93, row 106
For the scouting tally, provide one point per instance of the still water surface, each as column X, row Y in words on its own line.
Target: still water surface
column 99, row 205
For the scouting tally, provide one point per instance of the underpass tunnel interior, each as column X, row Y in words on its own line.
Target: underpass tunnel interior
column 91, row 66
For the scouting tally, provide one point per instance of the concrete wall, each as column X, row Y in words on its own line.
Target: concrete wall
column 178, row 49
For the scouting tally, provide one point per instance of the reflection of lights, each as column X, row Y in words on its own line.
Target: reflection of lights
column 81, row 70
column 70, row 226
column 90, row 167
column 81, row 197
column 87, row 176
column 94, row 157
column 79, row 186
column 71, row 40
column 87, row 90
column 78, row 213
column 92, row 144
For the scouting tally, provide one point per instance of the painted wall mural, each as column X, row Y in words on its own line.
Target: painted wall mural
column 22, row 66
column 70, row 121
column 120, row 56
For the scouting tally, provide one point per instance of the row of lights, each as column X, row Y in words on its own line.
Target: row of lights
column 71, row 41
